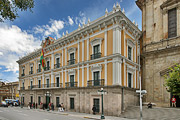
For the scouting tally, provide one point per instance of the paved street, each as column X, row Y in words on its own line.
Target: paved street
column 17, row 113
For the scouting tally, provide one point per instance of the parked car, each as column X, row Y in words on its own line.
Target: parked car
column 4, row 104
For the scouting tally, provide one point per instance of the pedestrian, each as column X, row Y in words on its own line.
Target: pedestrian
column 62, row 107
column 149, row 105
column 173, row 101
column 29, row 105
column 52, row 107
column 94, row 109
column 36, row 105
column 32, row 106
column 49, row 106
column 59, row 107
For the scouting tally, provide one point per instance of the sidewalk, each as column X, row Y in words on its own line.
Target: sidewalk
column 81, row 115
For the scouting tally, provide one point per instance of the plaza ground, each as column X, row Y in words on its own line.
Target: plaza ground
column 132, row 113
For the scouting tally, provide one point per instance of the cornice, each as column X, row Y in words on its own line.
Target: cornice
column 116, row 17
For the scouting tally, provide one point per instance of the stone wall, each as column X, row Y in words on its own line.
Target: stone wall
column 83, row 98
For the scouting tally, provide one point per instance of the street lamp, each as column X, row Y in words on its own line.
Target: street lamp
column 47, row 94
column 11, row 85
column 102, row 92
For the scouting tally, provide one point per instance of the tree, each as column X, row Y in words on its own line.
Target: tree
column 172, row 81
column 9, row 8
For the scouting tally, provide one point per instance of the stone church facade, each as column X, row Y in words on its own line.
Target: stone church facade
column 160, row 46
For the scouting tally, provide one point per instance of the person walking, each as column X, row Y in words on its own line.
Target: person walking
column 62, row 107
column 173, row 101
column 52, row 106
column 36, row 105
column 59, row 107
column 94, row 109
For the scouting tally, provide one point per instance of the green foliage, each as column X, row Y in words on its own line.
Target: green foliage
column 172, row 81
column 9, row 8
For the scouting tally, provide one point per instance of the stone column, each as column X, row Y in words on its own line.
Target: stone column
column 124, row 72
column 52, row 60
column 78, row 76
column 83, row 50
column 62, row 79
column 105, row 41
column 78, row 51
column 105, row 73
column 65, row 56
column 88, row 48
column 82, row 75
column 178, row 21
column 52, row 78
column 87, row 72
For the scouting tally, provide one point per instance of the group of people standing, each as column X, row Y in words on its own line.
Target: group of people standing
column 61, row 107
column 32, row 105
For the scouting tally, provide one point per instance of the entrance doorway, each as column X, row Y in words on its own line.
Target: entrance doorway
column 47, row 101
column 177, row 101
column 96, row 103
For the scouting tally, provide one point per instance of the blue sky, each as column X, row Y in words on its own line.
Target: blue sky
column 50, row 18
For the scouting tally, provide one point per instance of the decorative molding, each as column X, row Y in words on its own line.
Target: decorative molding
column 71, row 71
column 131, row 42
column 130, row 68
column 96, row 67
column 96, row 41
column 72, row 49
column 57, row 55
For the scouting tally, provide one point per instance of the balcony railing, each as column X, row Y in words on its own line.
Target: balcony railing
column 23, row 74
column 99, row 82
column 30, row 87
column 52, row 85
column 22, row 88
column 47, row 68
column 30, row 72
column 71, row 62
column 71, row 84
column 95, row 56
column 57, row 65
column 38, row 70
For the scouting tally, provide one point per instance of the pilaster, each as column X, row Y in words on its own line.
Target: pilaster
column 65, row 56
column 82, row 75
column 52, row 61
column 78, row 51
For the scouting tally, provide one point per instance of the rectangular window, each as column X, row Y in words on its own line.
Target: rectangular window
column 129, row 79
column 31, row 68
column 57, row 63
column 39, row 83
column 57, row 101
column 172, row 23
column 72, row 80
column 57, row 82
column 96, row 78
column 96, row 104
column 31, row 99
column 96, row 52
column 129, row 52
column 23, row 99
column 39, row 66
column 23, row 71
column 71, row 103
column 71, row 61
column 96, row 49
column 48, row 65
column 31, row 84
column 47, row 82
column 39, row 100
column 23, row 84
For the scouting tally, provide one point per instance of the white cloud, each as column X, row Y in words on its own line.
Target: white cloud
column 71, row 22
column 81, row 18
column 133, row 9
column 14, row 43
column 52, row 29
column 1, row 53
column 0, row 67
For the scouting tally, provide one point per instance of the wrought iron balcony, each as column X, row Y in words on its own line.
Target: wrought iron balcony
column 38, row 70
column 30, row 87
column 95, row 56
column 71, row 62
column 23, row 74
column 47, row 68
column 22, row 88
column 71, row 84
column 57, row 65
column 99, row 82
column 30, row 72
column 52, row 85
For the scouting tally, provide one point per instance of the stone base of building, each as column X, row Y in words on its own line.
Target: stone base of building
column 116, row 100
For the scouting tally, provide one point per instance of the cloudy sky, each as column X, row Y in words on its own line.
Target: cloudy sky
column 50, row 18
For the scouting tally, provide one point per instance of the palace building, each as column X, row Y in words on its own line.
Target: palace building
column 100, row 54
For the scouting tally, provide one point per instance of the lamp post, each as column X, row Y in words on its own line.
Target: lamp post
column 47, row 94
column 11, row 85
column 102, row 92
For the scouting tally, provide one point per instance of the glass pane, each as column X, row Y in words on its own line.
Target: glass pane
column 57, row 81
column 57, row 60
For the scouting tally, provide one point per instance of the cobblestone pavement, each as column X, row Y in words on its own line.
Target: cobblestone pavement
column 155, row 113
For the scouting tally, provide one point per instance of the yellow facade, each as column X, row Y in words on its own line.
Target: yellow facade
column 112, row 63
